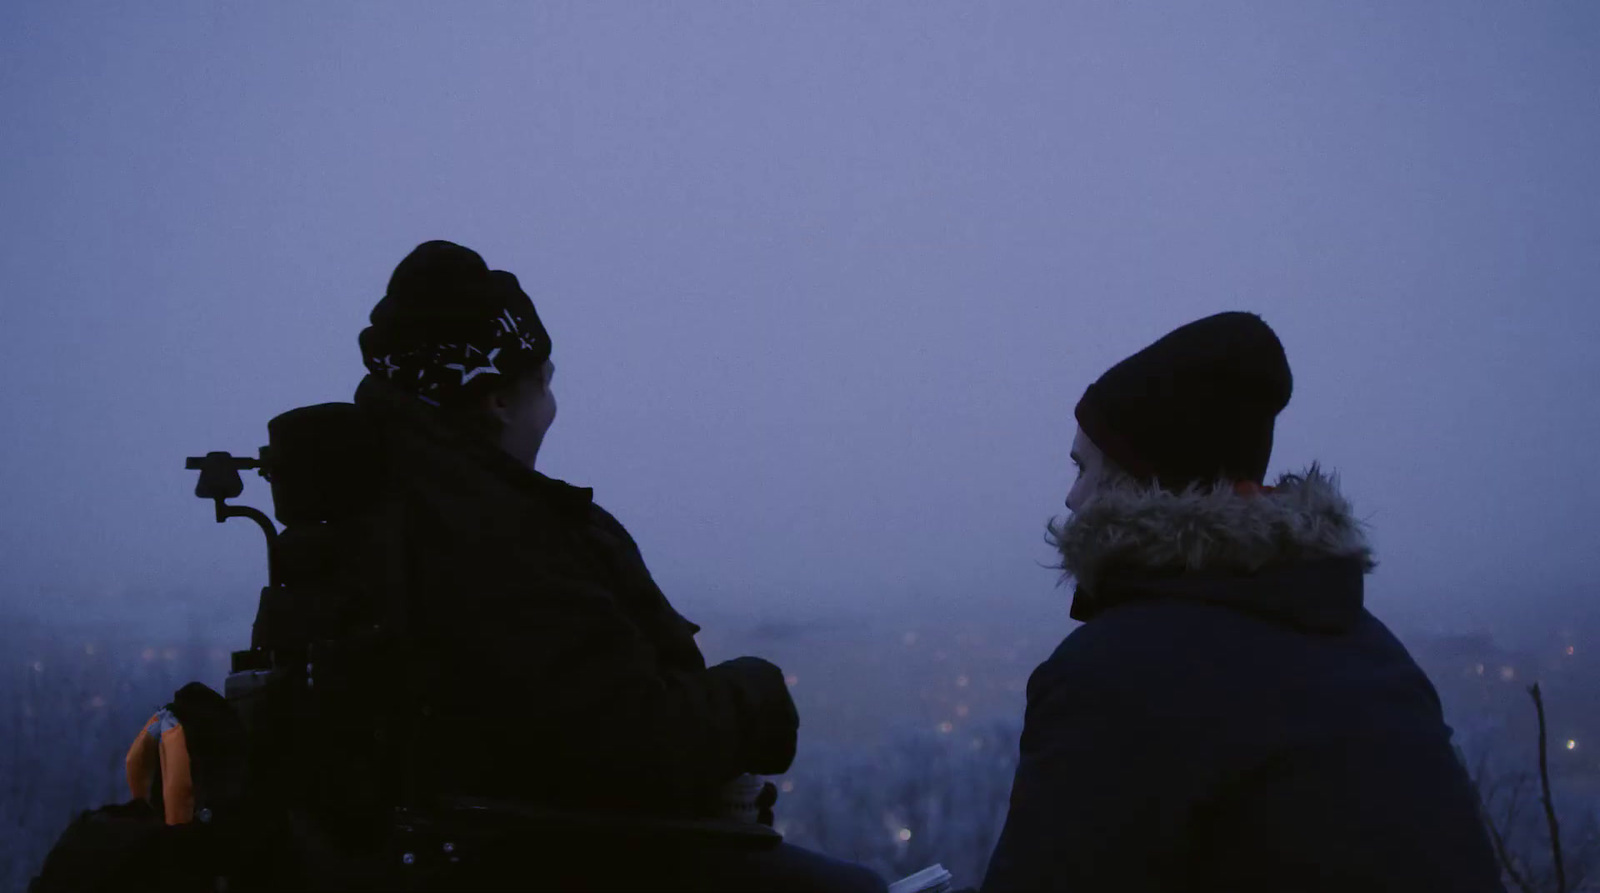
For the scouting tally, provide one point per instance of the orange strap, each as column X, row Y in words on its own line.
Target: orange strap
column 177, row 785
column 162, row 744
column 142, row 760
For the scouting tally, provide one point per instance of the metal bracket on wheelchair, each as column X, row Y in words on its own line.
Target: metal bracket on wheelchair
column 220, row 482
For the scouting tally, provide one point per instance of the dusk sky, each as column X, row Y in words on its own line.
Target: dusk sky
column 824, row 279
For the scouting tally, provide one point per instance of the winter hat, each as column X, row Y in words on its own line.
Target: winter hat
column 451, row 329
column 1195, row 407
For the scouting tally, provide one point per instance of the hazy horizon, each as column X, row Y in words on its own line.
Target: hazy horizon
column 824, row 281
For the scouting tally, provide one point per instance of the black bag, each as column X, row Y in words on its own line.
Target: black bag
column 126, row 846
column 220, row 836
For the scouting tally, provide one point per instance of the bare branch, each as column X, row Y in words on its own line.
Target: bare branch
column 1544, row 784
column 1487, row 788
column 1518, row 785
column 1508, row 861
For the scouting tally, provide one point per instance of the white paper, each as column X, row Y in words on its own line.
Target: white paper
column 933, row 879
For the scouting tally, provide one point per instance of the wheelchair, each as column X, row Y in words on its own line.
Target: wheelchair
column 322, row 694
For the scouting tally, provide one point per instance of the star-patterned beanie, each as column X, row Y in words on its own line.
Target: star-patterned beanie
column 450, row 329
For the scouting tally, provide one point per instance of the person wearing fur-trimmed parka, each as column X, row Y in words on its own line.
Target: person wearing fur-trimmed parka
column 1229, row 716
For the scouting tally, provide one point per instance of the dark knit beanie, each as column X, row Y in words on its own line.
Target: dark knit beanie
column 1195, row 407
column 451, row 329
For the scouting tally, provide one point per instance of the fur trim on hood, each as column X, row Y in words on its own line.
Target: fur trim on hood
column 1129, row 526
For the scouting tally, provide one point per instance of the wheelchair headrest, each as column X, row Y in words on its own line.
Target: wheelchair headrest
column 325, row 463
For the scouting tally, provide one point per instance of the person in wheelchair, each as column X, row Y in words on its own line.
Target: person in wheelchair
column 461, row 674
column 547, row 667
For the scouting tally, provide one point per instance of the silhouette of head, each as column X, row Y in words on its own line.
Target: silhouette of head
column 1196, row 407
column 466, row 339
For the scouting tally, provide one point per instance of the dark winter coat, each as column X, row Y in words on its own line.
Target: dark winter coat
column 550, row 666
column 1230, row 717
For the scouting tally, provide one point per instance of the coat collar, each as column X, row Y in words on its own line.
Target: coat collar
column 487, row 496
column 1216, row 544
column 422, row 441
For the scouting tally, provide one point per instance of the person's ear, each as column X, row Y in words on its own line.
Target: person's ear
column 498, row 404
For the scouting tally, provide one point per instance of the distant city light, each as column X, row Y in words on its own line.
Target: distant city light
column 787, row 787
column 38, row 666
column 1480, row 669
column 904, row 835
column 946, row 727
column 1508, row 673
column 1571, row 744
column 1570, row 649
column 962, row 681
column 791, row 680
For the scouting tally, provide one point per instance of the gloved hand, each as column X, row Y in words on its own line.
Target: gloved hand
column 773, row 723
